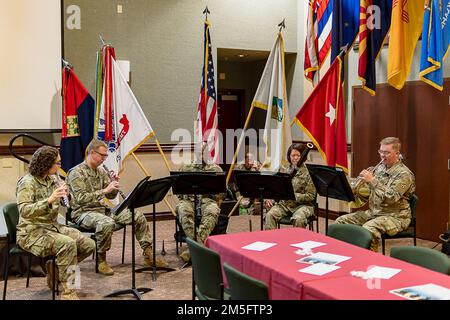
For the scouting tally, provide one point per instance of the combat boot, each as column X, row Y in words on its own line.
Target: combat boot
column 186, row 256
column 68, row 293
column 148, row 259
column 103, row 266
column 49, row 268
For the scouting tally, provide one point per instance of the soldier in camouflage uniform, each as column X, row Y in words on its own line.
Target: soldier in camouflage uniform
column 209, row 205
column 38, row 198
column 301, row 209
column 89, row 185
column 247, row 205
column 391, row 185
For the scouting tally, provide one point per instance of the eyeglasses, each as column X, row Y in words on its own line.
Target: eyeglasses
column 101, row 154
column 385, row 153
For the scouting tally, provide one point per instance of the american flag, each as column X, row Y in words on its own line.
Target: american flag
column 206, row 122
column 318, row 36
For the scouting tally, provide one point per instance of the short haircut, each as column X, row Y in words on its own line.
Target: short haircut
column 396, row 144
column 42, row 160
column 95, row 144
column 297, row 146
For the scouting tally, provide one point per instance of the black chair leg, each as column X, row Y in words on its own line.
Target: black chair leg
column 123, row 244
column 29, row 270
column 96, row 258
column 383, row 249
column 415, row 241
column 53, row 277
column 6, row 273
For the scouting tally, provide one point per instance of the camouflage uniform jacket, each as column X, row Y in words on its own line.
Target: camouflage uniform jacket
column 241, row 166
column 390, row 191
column 305, row 192
column 32, row 194
column 198, row 167
column 86, row 185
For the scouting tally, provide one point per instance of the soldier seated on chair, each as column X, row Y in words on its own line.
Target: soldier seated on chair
column 209, row 203
column 89, row 185
column 247, row 205
column 38, row 198
column 390, row 185
column 302, row 208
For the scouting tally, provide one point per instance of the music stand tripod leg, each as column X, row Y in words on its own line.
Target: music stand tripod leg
column 261, row 199
column 133, row 290
column 153, row 267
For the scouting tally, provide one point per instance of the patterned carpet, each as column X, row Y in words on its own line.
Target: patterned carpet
column 174, row 285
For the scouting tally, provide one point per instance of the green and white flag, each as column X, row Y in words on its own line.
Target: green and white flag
column 271, row 96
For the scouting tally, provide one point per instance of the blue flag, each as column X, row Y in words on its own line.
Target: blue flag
column 345, row 25
column 435, row 42
column 77, row 121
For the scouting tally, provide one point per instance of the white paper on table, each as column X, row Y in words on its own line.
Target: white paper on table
column 319, row 269
column 427, row 291
column 259, row 246
column 308, row 244
column 323, row 257
column 382, row 272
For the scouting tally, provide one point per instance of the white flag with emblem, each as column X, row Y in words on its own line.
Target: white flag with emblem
column 131, row 127
column 271, row 96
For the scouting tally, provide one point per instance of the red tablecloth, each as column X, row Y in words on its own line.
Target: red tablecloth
column 278, row 268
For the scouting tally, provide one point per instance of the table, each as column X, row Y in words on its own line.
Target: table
column 277, row 266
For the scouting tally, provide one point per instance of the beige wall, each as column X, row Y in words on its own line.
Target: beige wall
column 30, row 60
column 11, row 170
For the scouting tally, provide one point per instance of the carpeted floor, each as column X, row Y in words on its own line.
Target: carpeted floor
column 175, row 285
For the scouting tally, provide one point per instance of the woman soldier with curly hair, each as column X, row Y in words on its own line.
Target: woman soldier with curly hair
column 38, row 198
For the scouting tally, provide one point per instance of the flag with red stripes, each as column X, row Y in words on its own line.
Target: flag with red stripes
column 206, row 123
column 318, row 36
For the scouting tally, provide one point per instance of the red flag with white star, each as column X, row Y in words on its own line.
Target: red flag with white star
column 322, row 117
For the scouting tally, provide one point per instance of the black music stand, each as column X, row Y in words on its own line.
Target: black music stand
column 154, row 192
column 264, row 185
column 198, row 183
column 136, row 199
column 330, row 182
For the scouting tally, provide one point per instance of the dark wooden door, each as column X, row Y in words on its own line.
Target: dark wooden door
column 231, row 112
column 420, row 116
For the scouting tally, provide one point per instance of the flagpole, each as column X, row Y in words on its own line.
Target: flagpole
column 281, row 25
column 240, row 142
column 162, row 154
column 147, row 173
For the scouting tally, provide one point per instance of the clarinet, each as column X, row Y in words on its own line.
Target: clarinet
column 110, row 177
column 65, row 199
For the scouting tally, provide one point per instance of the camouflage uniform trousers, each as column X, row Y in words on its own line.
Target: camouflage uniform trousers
column 210, row 216
column 69, row 245
column 377, row 225
column 299, row 218
column 105, row 226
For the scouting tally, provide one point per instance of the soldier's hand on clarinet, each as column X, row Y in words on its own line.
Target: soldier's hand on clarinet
column 57, row 194
column 113, row 186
